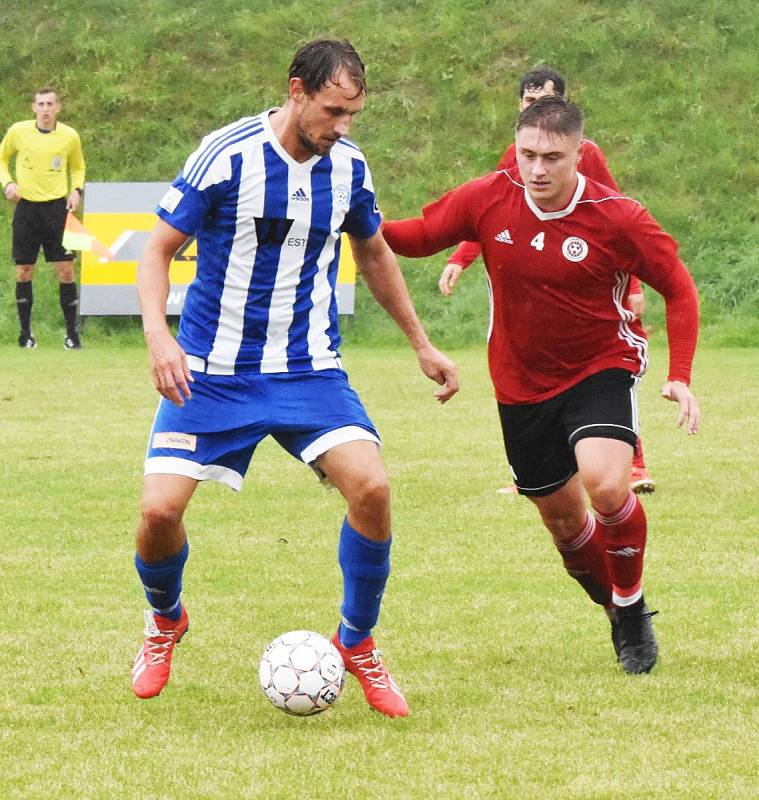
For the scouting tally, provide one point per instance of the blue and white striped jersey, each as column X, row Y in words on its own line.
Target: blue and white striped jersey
column 268, row 233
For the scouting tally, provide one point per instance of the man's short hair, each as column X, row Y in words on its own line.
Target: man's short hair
column 319, row 61
column 537, row 78
column 45, row 90
column 552, row 114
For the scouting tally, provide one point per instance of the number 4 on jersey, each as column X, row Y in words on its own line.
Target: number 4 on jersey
column 539, row 241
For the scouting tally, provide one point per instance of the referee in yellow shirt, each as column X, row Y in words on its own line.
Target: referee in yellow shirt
column 46, row 152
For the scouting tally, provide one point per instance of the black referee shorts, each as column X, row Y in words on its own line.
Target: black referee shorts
column 38, row 225
column 540, row 437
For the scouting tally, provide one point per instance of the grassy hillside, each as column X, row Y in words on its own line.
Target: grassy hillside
column 668, row 89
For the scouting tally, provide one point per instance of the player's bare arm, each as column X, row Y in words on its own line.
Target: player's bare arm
column 383, row 276
column 168, row 362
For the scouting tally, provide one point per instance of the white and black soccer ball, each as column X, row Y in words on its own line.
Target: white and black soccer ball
column 301, row 673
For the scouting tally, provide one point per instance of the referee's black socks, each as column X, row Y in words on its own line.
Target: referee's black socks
column 24, row 302
column 69, row 305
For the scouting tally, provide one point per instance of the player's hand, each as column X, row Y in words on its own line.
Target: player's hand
column 72, row 202
column 169, row 367
column 442, row 370
column 679, row 392
column 12, row 192
column 637, row 303
column 448, row 278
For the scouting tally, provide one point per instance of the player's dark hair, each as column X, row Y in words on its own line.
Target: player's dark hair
column 552, row 114
column 319, row 61
column 46, row 90
column 537, row 78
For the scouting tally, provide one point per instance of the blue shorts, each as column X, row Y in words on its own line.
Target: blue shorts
column 213, row 436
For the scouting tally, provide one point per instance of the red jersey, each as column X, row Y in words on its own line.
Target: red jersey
column 558, row 281
column 592, row 164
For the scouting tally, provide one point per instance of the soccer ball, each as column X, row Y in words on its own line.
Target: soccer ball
column 301, row 673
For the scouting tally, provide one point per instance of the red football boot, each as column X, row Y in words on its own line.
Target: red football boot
column 641, row 482
column 153, row 663
column 365, row 662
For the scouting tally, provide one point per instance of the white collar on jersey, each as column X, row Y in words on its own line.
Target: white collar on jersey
column 546, row 215
column 281, row 152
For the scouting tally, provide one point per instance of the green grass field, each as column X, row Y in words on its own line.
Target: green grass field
column 508, row 669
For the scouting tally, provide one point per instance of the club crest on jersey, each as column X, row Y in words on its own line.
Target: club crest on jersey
column 341, row 194
column 574, row 248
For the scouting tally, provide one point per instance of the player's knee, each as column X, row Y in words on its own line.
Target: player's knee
column 24, row 273
column 372, row 492
column 607, row 494
column 159, row 518
column 563, row 526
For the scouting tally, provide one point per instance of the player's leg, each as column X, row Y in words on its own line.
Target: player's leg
column 577, row 540
column 356, row 470
column 162, row 551
column 26, row 245
column 178, row 457
column 344, row 452
column 544, row 469
column 602, row 420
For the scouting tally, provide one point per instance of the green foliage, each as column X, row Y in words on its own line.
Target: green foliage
column 508, row 668
column 668, row 88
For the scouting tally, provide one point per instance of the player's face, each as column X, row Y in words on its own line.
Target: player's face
column 325, row 116
column 548, row 166
column 46, row 108
column 533, row 93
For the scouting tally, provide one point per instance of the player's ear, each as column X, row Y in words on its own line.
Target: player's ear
column 297, row 90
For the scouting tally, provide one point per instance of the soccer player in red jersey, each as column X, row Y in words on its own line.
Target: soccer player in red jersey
column 565, row 353
column 592, row 164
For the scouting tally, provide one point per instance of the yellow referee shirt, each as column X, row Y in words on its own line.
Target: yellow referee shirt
column 43, row 160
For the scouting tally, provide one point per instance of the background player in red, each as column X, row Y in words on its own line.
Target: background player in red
column 565, row 354
column 592, row 164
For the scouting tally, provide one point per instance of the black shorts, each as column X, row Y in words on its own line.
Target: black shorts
column 38, row 225
column 540, row 437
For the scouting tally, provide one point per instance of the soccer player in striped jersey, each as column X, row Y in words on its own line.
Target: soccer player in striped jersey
column 257, row 350
column 592, row 164
column 565, row 353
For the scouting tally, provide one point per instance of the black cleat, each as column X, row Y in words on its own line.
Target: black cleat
column 634, row 638
column 27, row 341
column 72, row 342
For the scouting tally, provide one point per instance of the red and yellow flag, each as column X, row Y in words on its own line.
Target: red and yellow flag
column 77, row 237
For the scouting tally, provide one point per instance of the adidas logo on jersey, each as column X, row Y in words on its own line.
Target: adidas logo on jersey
column 299, row 195
column 504, row 237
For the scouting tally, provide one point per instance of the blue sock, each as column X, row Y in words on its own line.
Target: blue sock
column 365, row 565
column 162, row 582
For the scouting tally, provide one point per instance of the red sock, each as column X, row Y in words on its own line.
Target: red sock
column 638, row 455
column 624, row 536
column 585, row 560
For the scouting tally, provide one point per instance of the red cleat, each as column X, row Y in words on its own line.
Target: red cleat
column 381, row 691
column 641, row 482
column 153, row 663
